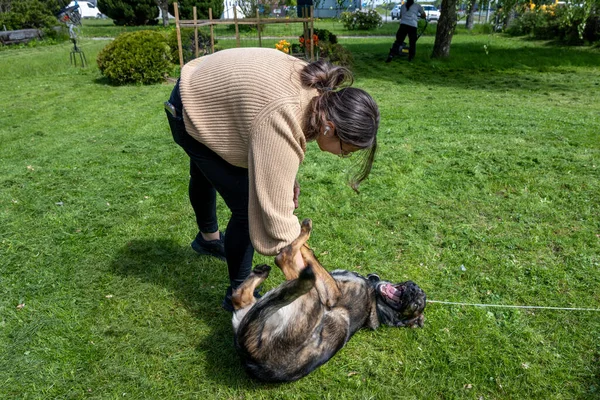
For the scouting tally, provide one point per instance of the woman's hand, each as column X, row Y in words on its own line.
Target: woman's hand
column 296, row 192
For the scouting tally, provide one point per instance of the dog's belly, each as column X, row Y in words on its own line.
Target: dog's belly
column 357, row 298
column 303, row 335
column 291, row 350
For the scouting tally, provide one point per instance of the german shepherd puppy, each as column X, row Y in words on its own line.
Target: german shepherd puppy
column 298, row 326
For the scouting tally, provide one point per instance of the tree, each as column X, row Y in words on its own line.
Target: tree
column 471, row 14
column 129, row 12
column 164, row 10
column 24, row 14
column 186, row 8
column 507, row 11
column 445, row 29
column 589, row 29
column 249, row 7
column 340, row 6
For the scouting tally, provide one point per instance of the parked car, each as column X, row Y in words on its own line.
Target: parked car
column 395, row 13
column 432, row 13
column 87, row 10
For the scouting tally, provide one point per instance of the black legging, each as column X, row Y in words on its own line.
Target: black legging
column 210, row 174
column 404, row 30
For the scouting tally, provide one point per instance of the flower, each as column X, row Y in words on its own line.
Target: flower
column 304, row 42
column 284, row 46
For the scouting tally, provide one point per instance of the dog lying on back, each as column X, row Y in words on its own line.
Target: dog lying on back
column 298, row 326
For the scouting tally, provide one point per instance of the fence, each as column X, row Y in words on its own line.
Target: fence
column 307, row 21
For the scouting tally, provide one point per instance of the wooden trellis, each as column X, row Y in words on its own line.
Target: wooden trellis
column 306, row 20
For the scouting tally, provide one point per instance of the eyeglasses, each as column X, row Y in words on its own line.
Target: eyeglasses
column 344, row 153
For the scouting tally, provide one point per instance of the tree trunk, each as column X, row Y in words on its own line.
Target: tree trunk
column 471, row 15
column 445, row 30
column 510, row 17
column 164, row 10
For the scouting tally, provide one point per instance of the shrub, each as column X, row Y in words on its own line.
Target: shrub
column 336, row 53
column 188, row 44
column 247, row 29
column 186, row 8
column 361, row 20
column 591, row 30
column 569, row 24
column 28, row 14
column 484, row 29
column 136, row 57
column 325, row 36
column 130, row 12
column 326, row 46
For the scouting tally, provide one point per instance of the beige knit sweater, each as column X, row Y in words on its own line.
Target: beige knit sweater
column 248, row 106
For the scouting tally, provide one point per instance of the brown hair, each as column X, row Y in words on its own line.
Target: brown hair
column 353, row 111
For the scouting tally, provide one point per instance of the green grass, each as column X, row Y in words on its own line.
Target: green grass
column 488, row 161
column 105, row 28
column 94, row 28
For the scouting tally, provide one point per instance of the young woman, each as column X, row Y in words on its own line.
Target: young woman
column 409, row 16
column 244, row 116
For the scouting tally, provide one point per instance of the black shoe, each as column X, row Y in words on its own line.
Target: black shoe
column 215, row 248
column 227, row 305
column 389, row 58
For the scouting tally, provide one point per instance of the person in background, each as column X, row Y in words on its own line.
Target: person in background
column 409, row 17
column 244, row 117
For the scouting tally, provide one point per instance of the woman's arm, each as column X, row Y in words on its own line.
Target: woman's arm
column 273, row 159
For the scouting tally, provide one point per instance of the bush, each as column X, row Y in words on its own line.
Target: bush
column 188, row 44
column 562, row 23
column 325, row 36
column 591, row 31
column 186, row 8
column 326, row 47
column 361, row 20
column 130, row 12
column 336, row 53
column 28, row 14
column 136, row 57
column 247, row 29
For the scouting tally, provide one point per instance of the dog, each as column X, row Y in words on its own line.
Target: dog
column 298, row 326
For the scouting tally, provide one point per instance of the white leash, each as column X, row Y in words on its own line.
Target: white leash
column 510, row 306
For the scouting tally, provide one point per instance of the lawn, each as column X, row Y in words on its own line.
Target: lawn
column 486, row 189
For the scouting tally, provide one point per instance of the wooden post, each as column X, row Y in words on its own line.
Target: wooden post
column 212, row 32
column 312, row 32
column 196, row 30
column 258, row 28
column 176, row 8
column 237, row 28
column 305, row 30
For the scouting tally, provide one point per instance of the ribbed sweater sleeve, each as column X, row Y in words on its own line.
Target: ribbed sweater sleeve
column 273, row 161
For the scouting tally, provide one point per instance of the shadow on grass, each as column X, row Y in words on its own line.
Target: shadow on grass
column 198, row 283
column 104, row 81
column 497, row 66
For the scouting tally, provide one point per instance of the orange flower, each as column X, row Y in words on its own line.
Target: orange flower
column 306, row 42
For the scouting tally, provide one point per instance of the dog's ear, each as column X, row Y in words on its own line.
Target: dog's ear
column 373, row 278
column 416, row 322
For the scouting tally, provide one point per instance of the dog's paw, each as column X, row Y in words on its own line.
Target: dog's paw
column 307, row 273
column 262, row 269
column 307, row 224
